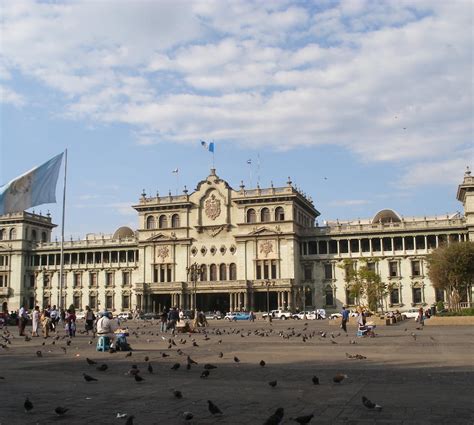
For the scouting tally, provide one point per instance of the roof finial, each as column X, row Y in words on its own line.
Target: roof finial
column 289, row 182
column 185, row 191
column 468, row 171
column 143, row 193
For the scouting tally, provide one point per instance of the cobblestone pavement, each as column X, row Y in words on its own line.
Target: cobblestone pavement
column 424, row 381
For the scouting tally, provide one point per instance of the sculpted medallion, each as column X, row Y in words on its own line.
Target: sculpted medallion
column 213, row 207
column 266, row 247
column 162, row 252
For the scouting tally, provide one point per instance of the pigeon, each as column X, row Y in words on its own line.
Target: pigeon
column 188, row 366
column 276, row 418
column 236, row 359
column 60, row 411
column 129, row 354
column 413, row 335
column 262, row 363
column 146, row 358
column 221, row 354
column 102, row 367
column 130, row 420
column 177, row 394
column 89, row 378
column 369, row 404
column 164, row 355
column 64, row 349
column 213, row 408
column 205, row 374
column 39, row 353
column 175, row 366
column 121, row 415
column 303, row 420
column 315, row 380
column 28, row 405
column 90, row 362
column 138, row 378
column 187, row 416
column 150, row 368
column 191, row 361
column 209, row 366
column 273, row 384
column 339, row 378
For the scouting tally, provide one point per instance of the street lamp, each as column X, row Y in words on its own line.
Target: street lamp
column 267, row 284
column 193, row 270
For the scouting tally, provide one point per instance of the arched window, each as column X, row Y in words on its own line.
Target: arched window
column 232, row 271
column 2, row 234
column 203, row 273
column 150, row 222
column 33, row 235
column 163, row 222
column 279, row 214
column 251, row 218
column 175, row 221
column 223, row 272
column 213, row 272
column 12, row 234
column 44, row 237
column 265, row 215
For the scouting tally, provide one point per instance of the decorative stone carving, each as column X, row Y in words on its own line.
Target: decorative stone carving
column 213, row 231
column 162, row 252
column 266, row 247
column 213, row 207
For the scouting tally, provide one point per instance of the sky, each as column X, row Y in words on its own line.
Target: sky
column 365, row 104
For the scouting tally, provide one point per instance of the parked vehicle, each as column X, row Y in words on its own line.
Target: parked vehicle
column 410, row 314
column 125, row 316
column 339, row 315
column 149, row 316
column 278, row 314
column 81, row 315
column 239, row 315
column 311, row 315
column 214, row 315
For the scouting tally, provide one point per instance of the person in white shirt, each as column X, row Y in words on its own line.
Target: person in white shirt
column 106, row 326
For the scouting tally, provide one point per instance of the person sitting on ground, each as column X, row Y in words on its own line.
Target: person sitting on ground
column 106, row 326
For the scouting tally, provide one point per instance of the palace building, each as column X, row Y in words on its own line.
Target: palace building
column 248, row 249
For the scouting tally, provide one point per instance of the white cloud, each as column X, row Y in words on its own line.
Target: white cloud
column 390, row 81
column 8, row 96
column 348, row 202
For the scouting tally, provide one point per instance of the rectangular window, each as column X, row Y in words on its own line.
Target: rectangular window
column 393, row 268
column 395, row 296
column 155, row 274
column 371, row 266
column 92, row 302
column 93, row 280
column 109, row 279
column 46, row 281
column 3, row 280
column 162, row 274
column 349, row 269
column 415, row 268
column 126, row 278
column 329, row 295
column 308, row 272
column 439, row 294
column 328, row 272
column 125, row 302
column 416, row 295
column 168, row 274
column 259, row 270
column 312, row 248
column 109, row 302
column 350, row 299
column 32, row 281
column 265, row 270
column 31, row 303
column 76, row 300
column 274, row 270
column 77, row 280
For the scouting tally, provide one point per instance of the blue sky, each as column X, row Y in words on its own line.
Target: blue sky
column 365, row 104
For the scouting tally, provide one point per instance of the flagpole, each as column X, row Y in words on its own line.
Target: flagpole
column 177, row 181
column 61, row 268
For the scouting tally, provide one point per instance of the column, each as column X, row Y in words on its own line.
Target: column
column 191, row 299
column 370, row 246
column 359, row 242
column 393, row 247
column 403, row 244
column 246, row 302
column 349, row 248
column 290, row 301
column 381, row 245
column 426, row 243
column 338, row 248
column 437, row 241
column 231, row 302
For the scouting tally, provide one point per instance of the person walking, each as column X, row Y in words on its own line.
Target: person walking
column 35, row 321
column 54, row 316
column 71, row 323
column 173, row 318
column 22, row 320
column 421, row 318
column 163, row 320
column 345, row 318
column 90, row 317
column 45, row 323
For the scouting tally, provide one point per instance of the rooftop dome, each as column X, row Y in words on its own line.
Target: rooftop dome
column 124, row 232
column 387, row 216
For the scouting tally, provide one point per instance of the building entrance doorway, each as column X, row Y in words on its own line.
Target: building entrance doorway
column 213, row 302
column 260, row 301
column 159, row 302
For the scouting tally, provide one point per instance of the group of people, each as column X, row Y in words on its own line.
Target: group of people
column 362, row 326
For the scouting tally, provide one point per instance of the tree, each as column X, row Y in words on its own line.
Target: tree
column 451, row 268
column 364, row 283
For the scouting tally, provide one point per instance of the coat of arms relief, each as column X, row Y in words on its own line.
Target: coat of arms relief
column 266, row 247
column 212, row 207
column 162, row 252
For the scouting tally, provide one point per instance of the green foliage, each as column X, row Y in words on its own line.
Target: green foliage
column 364, row 283
column 439, row 306
column 462, row 312
column 451, row 268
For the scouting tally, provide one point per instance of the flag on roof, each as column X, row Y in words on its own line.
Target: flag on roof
column 175, row 171
column 207, row 146
column 35, row 187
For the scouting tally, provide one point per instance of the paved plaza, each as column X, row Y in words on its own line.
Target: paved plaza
column 427, row 380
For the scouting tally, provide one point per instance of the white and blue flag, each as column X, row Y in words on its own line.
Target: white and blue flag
column 35, row 187
column 207, row 146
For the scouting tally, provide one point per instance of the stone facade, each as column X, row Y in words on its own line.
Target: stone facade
column 223, row 249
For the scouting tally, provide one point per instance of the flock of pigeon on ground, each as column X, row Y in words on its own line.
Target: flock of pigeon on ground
column 182, row 339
